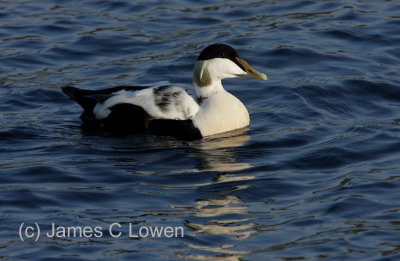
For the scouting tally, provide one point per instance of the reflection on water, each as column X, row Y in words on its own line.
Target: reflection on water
column 225, row 205
column 224, row 253
column 213, row 211
column 224, row 216
column 217, row 153
column 217, row 215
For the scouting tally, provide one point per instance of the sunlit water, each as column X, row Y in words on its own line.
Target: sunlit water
column 315, row 177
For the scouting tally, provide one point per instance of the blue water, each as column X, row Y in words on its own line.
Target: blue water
column 315, row 177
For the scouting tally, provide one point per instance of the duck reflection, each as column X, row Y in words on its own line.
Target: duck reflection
column 220, row 217
column 223, row 214
column 217, row 152
column 239, row 228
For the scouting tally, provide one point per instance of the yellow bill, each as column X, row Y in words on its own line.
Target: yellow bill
column 250, row 71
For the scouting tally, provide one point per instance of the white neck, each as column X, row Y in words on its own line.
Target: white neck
column 207, row 75
column 207, row 91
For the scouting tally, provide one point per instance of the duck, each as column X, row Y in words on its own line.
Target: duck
column 169, row 110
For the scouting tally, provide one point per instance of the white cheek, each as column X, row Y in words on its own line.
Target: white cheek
column 224, row 68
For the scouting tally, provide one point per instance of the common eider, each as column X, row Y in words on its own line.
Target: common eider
column 170, row 110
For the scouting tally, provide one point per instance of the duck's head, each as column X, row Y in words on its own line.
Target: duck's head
column 220, row 61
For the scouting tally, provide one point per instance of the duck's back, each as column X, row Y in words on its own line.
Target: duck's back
column 165, row 102
column 163, row 111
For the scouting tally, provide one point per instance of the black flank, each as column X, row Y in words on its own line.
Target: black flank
column 182, row 130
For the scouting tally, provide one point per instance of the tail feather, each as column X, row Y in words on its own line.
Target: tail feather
column 81, row 96
column 87, row 99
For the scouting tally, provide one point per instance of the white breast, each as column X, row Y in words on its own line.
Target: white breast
column 221, row 112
